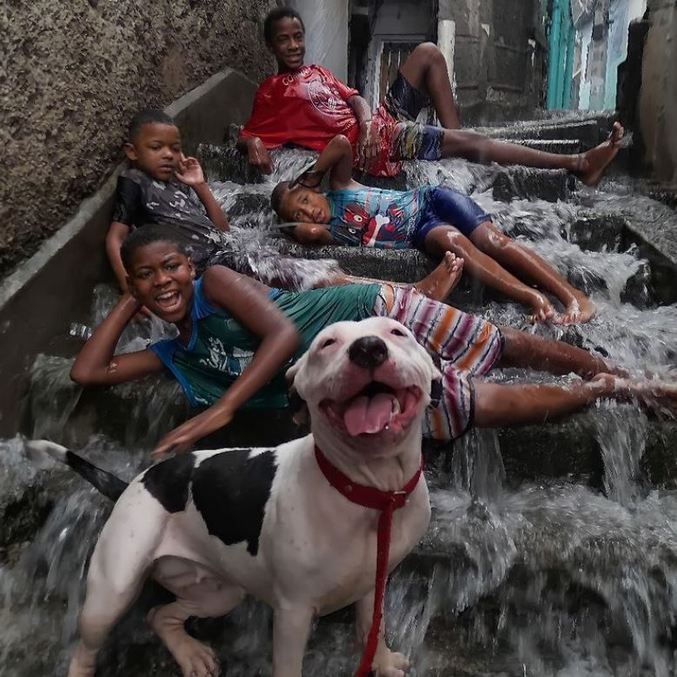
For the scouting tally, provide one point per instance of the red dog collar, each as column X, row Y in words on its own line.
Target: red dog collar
column 386, row 502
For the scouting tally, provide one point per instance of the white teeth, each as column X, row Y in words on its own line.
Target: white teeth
column 396, row 409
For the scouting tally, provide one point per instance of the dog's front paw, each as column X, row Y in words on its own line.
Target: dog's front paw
column 390, row 664
column 195, row 658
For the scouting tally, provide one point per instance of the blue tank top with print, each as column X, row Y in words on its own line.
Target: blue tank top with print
column 373, row 217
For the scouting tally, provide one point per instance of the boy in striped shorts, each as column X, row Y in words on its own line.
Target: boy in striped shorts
column 237, row 337
column 464, row 346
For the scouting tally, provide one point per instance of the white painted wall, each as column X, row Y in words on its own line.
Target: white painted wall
column 585, row 33
column 326, row 24
column 621, row 13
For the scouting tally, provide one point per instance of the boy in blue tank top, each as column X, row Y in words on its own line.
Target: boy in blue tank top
column 435, row 220
column 236, row 337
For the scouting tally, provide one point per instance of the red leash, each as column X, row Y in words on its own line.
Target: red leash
column 386, row 502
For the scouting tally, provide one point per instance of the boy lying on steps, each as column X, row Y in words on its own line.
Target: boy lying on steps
column 162, row 186
column 238, row 336
column 433, row 219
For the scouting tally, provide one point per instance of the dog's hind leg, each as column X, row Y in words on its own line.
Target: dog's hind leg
column 386, row 663
column 207, row 598
column 117, row 570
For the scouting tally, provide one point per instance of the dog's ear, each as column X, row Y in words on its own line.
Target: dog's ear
column 294, row 373
column 298, row 408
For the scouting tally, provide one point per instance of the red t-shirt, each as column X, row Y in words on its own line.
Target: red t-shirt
column 309, row 108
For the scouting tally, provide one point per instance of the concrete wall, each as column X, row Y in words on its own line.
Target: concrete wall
column 658, row 96
column 499, row 48
column 326, row 23
column 77, row 71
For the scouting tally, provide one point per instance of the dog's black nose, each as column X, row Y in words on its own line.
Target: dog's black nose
column 368, row 352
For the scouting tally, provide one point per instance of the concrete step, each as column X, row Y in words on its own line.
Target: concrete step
column 587, row 131
column 557, row 146
column 223, row 163
column 533, row 184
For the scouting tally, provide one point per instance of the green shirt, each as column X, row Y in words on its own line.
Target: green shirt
column 219, row 347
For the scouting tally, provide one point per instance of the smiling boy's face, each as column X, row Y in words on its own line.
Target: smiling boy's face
column 161, row 278
column 288, row 44
column 156, row 150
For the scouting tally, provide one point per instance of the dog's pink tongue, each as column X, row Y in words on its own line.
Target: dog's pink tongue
column 364, row 415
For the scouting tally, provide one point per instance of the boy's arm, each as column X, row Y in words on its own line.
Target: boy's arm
column 117, row 232
column 257, row 153
column 190, row 172
column 367, row 143
column 337, row 159
column 243, row 299
column 310, row 233
column 96, row 363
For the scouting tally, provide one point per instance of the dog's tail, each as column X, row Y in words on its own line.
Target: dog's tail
column 107, row 483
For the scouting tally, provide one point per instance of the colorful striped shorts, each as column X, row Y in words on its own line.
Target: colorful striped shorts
column 463, row 345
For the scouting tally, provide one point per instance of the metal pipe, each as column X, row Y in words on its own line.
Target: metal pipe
column 554, row 49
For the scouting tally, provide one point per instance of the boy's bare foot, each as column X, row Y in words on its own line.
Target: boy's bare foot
column 652, row 393
column 594, row 162
column 543, row 310
column 439, row 284
column 580, row 310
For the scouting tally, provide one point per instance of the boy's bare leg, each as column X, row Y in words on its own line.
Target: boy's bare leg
column 426, row 70
column 588, row 166
column 557, row 357
column 436, row 285
column 532, row 268
column 440, row 283
column 442, row 239
column 499, row 405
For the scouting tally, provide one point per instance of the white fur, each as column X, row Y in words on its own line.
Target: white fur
column 317, row 550
column 37, row 450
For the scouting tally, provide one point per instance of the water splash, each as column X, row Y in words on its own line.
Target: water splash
column 546, row 579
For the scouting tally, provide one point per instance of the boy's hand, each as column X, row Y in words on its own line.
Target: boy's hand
column 367, row 145
column 181, row 439
column 190, row 172
column 143, row 314
column 258, row 156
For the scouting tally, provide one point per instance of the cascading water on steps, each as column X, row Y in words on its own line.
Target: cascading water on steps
column 546, row 578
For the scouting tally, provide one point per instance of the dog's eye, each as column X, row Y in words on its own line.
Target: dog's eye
column 397, row 332
column 328, row 342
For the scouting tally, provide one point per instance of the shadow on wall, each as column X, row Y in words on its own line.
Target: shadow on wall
column 78, row 72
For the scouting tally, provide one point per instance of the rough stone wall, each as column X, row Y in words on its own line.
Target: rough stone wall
column 76, row 72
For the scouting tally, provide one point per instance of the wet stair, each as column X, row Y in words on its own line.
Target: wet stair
column 500, row 543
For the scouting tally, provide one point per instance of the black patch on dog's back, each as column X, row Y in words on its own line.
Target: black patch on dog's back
column 168, row 481
column 231, row 490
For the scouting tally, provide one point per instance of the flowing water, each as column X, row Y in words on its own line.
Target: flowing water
column 549, row 578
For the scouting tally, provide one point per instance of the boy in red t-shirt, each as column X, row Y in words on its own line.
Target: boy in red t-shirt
column 307, row 106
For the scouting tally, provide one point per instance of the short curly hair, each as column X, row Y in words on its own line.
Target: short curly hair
column 274, row 16
column 145, row 235
column 147, row 117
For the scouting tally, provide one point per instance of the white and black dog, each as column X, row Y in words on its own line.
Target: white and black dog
column 212, row 526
